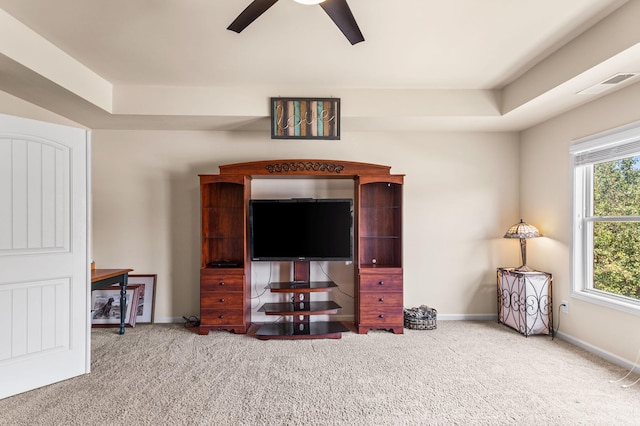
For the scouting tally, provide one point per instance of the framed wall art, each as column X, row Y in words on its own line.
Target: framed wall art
column 305, row 118
column 146, row 301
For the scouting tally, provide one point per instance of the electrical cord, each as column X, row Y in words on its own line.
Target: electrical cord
column 338, row 286
column 263, row 292
column 554, row 332
column 633, row 367
column 192, row 321
column 254, row 280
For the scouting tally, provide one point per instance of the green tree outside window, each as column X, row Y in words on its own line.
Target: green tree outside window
column 616, row 244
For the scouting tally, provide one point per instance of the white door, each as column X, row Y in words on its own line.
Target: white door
column 44, row 272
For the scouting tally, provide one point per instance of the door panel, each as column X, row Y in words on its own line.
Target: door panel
column 43, row 325
column 44, row 285
column 35, row 195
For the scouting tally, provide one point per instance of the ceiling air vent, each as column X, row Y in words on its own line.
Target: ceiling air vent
column 608, row 84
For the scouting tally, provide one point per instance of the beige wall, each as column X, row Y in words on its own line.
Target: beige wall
column 546, row 202
column 461, row 193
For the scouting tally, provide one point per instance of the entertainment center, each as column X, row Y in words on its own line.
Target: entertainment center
column 228, row 215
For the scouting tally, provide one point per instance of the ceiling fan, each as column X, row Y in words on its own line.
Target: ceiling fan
column 338, row 11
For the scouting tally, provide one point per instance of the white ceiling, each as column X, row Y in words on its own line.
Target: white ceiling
column 434, row 65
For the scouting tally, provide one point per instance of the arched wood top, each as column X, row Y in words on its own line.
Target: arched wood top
column 304, row 167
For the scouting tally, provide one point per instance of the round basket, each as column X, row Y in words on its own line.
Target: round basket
column 420, row 318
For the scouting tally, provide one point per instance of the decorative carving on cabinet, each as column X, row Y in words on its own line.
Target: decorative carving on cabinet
column 306, row 166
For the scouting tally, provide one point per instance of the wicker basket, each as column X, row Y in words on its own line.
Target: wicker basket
column 420, row 318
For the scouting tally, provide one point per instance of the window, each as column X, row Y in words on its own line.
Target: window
column 606, row 218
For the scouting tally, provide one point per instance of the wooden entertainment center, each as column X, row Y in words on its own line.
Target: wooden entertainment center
column 225, row 273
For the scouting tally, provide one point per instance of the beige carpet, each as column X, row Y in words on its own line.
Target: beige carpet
column 463, row 373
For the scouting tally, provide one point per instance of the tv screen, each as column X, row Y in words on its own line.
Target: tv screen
column 301, row 229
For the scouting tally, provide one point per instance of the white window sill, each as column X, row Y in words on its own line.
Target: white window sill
column 621, row 304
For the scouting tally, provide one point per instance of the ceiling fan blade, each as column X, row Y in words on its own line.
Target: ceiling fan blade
column 250, row 14
column 339, row 12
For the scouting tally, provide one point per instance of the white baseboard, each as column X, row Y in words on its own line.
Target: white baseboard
column 346, row 318
column 467, row 317
column 599, row 352
column 168, row 320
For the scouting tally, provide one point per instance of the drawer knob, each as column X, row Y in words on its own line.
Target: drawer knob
column 381, row 316
column 221, row 282
column 381, row 299
column 222, row 300
column 221, row 316
column 381, row 282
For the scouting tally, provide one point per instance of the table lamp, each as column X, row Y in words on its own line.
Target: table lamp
column 523, row 231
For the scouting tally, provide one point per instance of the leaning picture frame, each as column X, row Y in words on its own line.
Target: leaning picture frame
column 146, row 301
column 105, row 306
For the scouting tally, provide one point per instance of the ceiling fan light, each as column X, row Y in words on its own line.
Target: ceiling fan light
column 309, row 1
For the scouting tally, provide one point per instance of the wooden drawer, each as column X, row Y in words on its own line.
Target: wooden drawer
column 222, row 282
column 381, row 283
column 380, row 301
column 210, row 316
column 381, row 315
column 216, row 300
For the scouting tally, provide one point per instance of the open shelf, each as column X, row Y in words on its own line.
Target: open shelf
column 313, row 330
column 302, row 287
column 300, row 308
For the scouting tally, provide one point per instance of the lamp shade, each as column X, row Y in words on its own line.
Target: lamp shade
column 522, row 230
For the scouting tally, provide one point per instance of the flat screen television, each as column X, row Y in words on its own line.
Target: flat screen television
column 301, row 229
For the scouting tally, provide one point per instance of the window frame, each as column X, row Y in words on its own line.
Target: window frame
column 612, row 145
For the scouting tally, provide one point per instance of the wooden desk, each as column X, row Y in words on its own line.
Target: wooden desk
column 102, row 278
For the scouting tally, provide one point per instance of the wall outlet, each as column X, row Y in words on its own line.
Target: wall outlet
column 564, row 307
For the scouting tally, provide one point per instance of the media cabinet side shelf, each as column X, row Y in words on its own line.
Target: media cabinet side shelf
column 225, row 289
column 379, row 280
